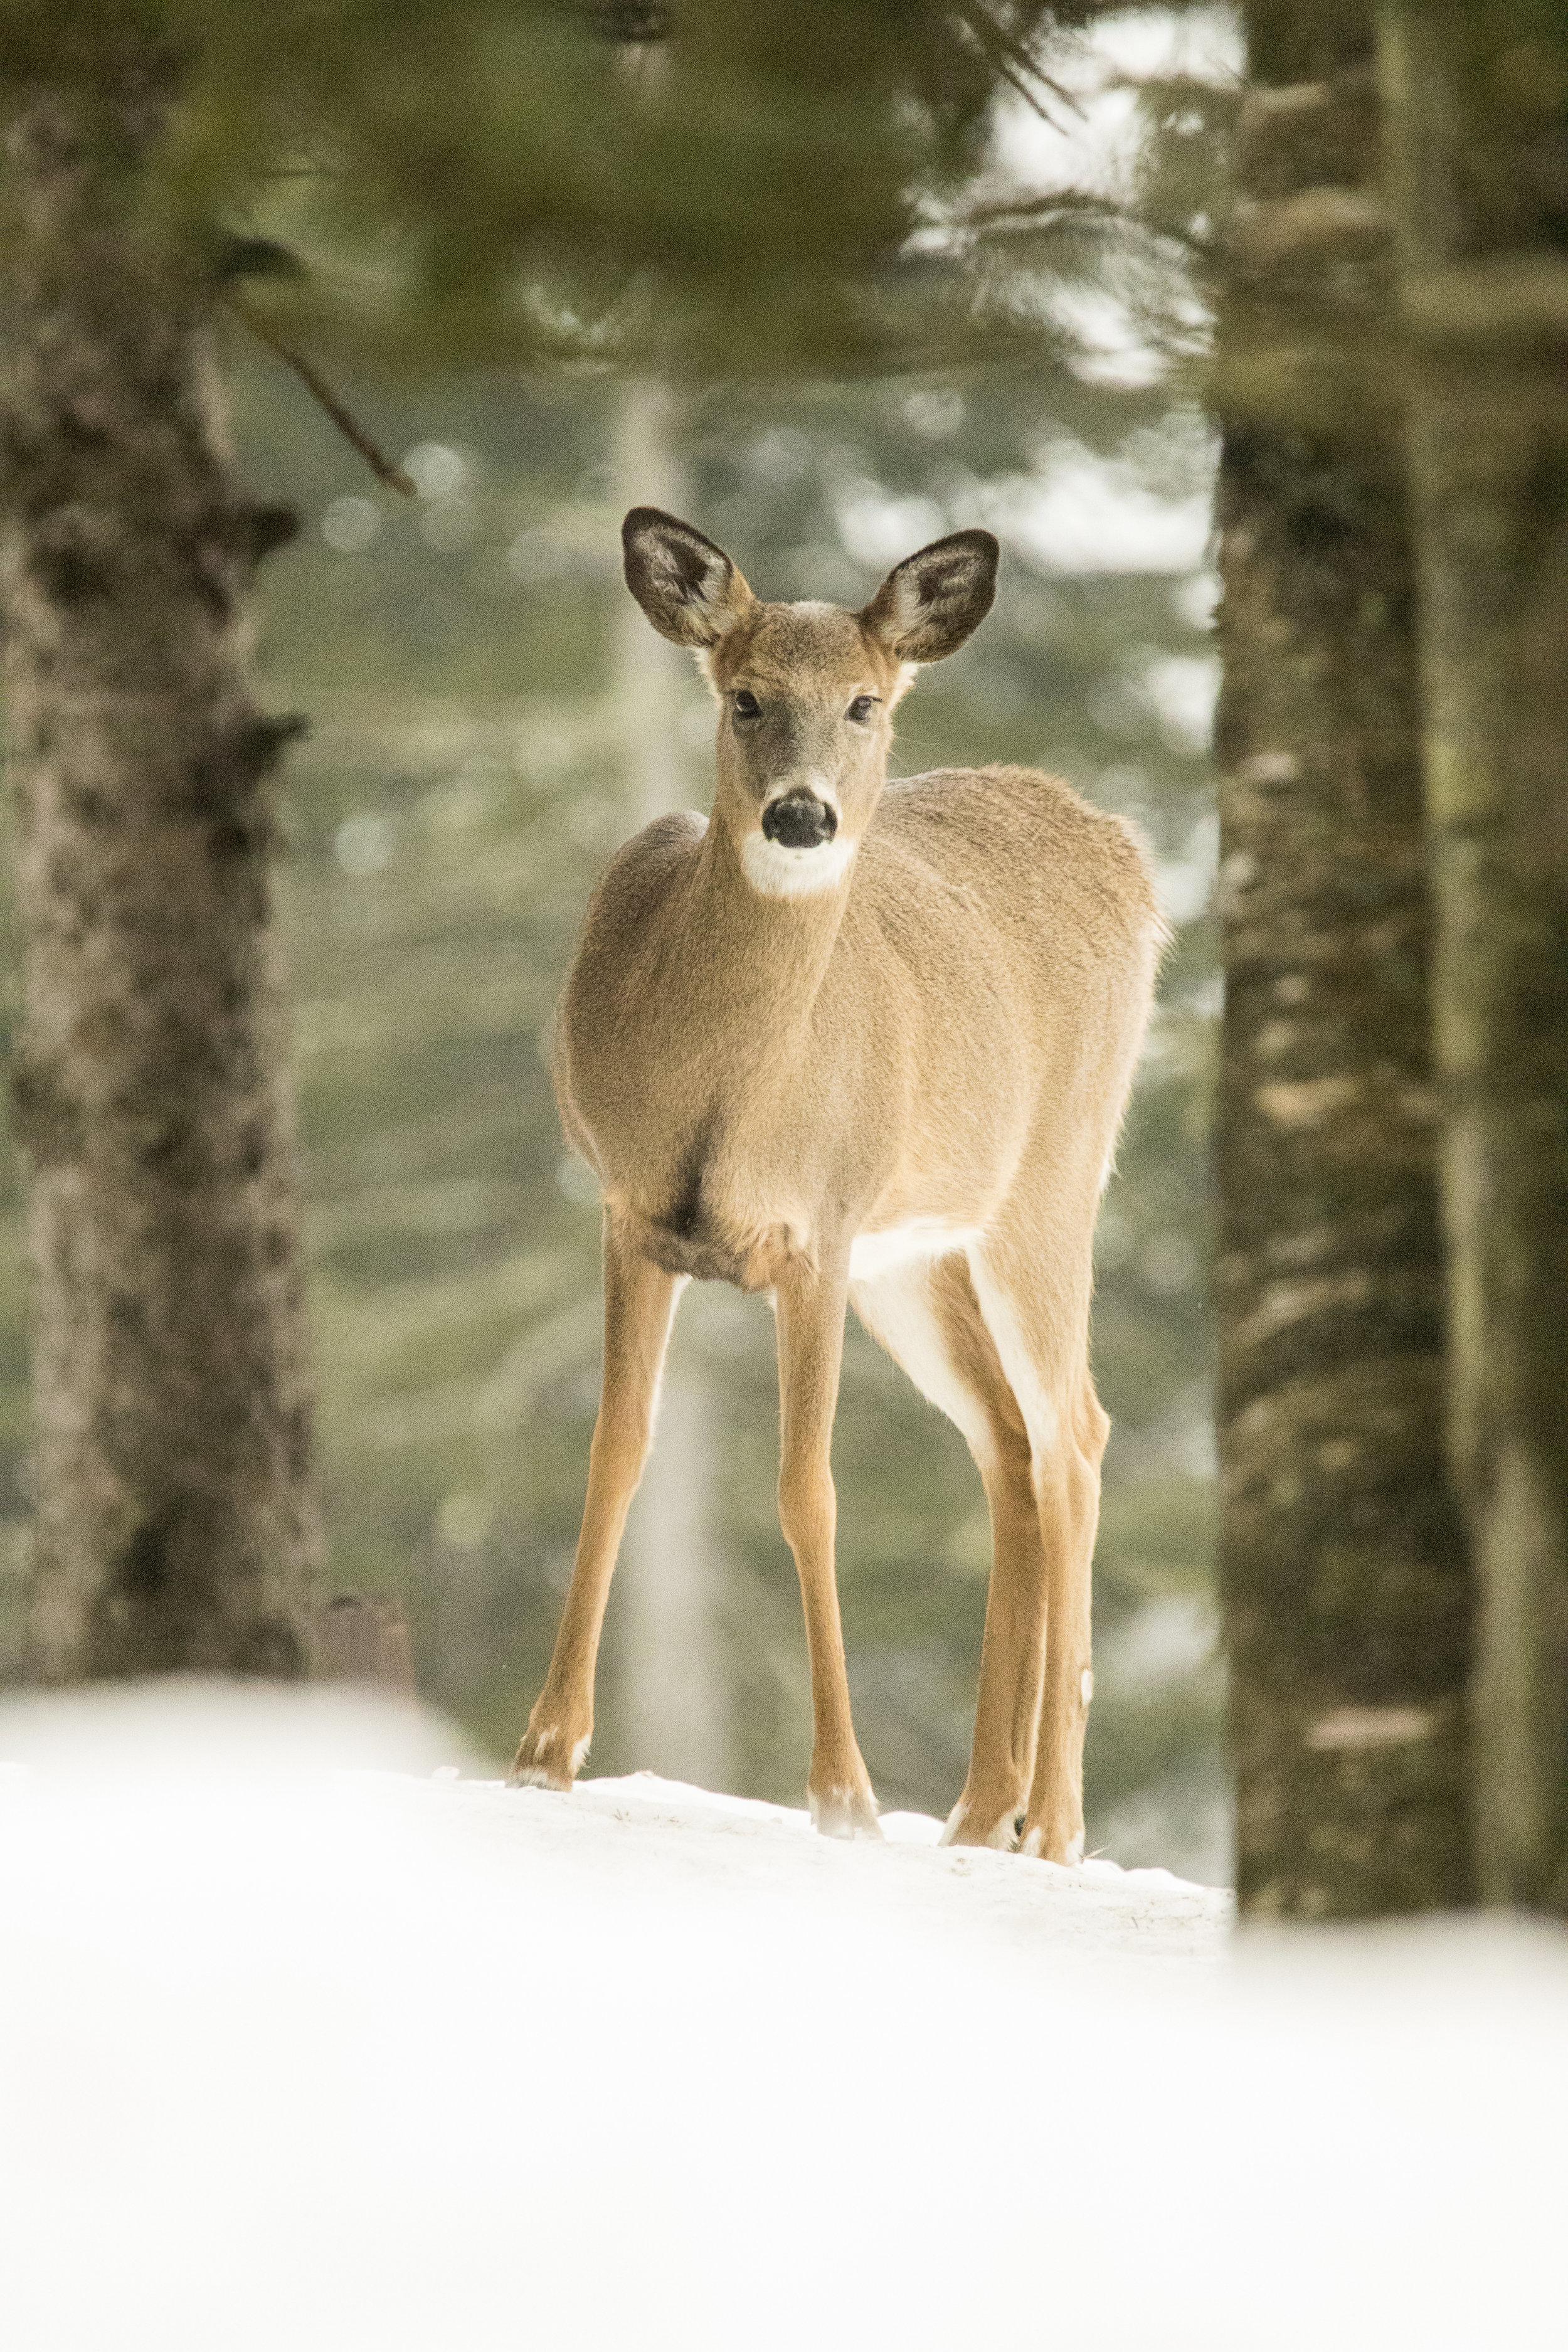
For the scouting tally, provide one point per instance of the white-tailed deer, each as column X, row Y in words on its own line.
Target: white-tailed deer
column 850, row 1039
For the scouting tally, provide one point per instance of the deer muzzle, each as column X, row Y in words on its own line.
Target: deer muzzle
column 798, row 820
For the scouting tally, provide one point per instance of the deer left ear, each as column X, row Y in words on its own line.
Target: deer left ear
column 931, row 603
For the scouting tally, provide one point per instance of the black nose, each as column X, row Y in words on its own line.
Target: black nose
column 799, row 821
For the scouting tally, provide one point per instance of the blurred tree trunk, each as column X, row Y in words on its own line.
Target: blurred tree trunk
column 673, row 1716
column 1479, row 119
column 174, row 1520
column 1343, row 1567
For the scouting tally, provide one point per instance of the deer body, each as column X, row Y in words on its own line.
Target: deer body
column 852, row 1040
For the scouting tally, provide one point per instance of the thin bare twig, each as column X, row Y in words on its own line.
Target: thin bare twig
column 375, row 458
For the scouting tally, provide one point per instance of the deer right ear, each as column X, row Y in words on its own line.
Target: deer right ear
column 687, row 587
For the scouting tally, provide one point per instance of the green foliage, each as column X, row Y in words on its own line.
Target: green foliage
column 723, row 187
column 466, row 180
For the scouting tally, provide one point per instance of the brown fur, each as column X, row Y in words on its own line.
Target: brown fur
column 947, row 1034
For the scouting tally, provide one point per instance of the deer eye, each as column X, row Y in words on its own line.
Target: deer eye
column 747, row 705
column 860, row 710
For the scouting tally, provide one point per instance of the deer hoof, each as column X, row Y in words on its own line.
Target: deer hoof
column 546, row 1760
column 996, row 1826
column 1048, row 1845
column 844, row 1813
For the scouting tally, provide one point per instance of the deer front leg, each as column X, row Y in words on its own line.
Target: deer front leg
column 639, row 1308
column 811, row 1348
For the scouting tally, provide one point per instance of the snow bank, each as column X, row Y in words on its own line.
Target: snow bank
column 299, row 2053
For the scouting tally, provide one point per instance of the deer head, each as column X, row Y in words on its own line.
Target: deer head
column 805, row 692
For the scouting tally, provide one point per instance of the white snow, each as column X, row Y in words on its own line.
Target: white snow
column 306, row 2040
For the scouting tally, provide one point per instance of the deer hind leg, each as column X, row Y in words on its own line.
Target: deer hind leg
column 1053, row 1822
column 639, row 1309
column 1041, row 1329
column 811, row 1349
column 927, row 1316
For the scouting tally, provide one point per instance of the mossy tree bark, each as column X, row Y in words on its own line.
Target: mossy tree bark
column 175, row 1522
column 1477, row 99
column 1343, row 1565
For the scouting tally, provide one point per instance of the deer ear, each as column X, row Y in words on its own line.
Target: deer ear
column 687, row 587
column 931, row 603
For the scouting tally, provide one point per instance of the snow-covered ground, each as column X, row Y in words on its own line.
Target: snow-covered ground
column 306, row 2040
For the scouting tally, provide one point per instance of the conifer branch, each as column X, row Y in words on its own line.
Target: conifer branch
column 1067, row 207
column 1013, row 58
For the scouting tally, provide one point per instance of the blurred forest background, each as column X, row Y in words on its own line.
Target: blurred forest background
column 490, row 716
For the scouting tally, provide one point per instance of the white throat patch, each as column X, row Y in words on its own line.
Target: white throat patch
column 775, row 871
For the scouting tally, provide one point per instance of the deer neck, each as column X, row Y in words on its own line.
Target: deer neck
column 747, row 968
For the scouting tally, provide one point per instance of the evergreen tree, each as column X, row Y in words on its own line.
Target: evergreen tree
column 1347, row 1599
column 1478, row 103
column 176, row 1522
